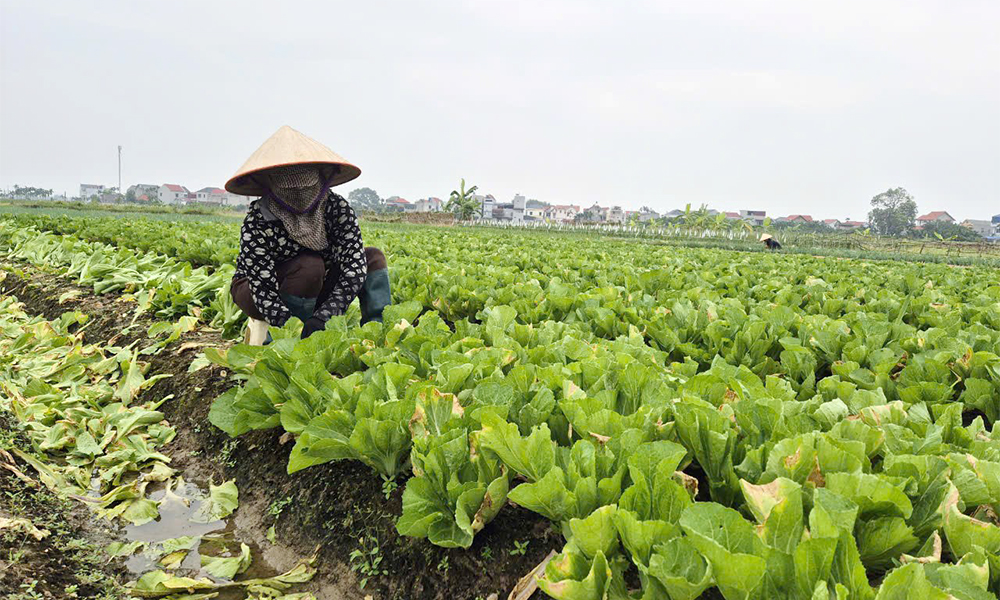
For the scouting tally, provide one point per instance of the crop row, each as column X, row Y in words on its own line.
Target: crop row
column 771, row 426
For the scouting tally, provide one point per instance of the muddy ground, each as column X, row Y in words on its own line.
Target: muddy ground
column 336, row 508
column 54, row 550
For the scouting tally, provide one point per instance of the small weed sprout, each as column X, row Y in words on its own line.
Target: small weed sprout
column 277, row 506
column 519, row 548
column 366, row 560
column 389, row 486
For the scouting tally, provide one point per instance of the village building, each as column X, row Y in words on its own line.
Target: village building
column 397, row 204
column 428, row 205
column 648, row 215
column 616, row 215
column 754, row 217
column 171, row 193
column 849, row 224
column 563, row 212
column 980, row 226
column 211, row 195
column 534, row 210
column 937, row 216
column 142, row 192
column 90, row 190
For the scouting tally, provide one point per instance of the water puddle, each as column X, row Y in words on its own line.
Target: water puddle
column 177, row 511
column 180, row 545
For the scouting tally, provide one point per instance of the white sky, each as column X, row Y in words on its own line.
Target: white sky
column 790, row 106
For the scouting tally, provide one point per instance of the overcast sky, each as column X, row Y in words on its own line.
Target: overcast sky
column 790, row 106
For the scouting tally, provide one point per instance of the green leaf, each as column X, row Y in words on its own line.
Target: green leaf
column 730, row 544
column 563, row 585
column 681, row 569
column 227, row 567
column 813, row 561
column 124, row 548
column 596, row 533
column 639, row 537
column 156, row 584
column 223, row 413
column 777, row 506
column 548, row 496
column 874, row 494
column 222, row 500
column 883, row 539
column 908, row 582
column 532, row 456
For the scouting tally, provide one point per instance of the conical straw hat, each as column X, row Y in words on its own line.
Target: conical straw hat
column 764, row 237
column 288, row 147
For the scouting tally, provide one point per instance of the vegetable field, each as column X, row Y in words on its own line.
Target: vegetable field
column 673, row 422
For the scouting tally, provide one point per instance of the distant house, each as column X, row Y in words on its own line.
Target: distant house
column 89, row 190
column 428, row 205
column 735, row 216
column 674, row 214
column 486, row 205
column 755, row 217
column 171, row 193
column 397, row 204
column 211, row 195
column 799, row 219
column 143, row 192
column 937, row 216
column 616, row 215
column 219, row 197
column 534, row 210
column 832, row 223
column 513, row 211
column 594, row 214
column 980, row 226
column 648, row 215
column 563, row 212
column 848, row 224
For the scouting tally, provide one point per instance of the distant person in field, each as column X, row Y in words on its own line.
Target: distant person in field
column 301, row 252
column 770, row 242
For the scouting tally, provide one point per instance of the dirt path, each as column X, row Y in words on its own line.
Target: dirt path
column 337, row 508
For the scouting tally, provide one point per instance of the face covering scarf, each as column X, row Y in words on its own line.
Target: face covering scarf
column 297, row 196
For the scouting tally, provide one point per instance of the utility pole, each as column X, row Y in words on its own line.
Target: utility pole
column 119, row 169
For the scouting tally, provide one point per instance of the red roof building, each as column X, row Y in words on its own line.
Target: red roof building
column 799, row 219
column 939, row 216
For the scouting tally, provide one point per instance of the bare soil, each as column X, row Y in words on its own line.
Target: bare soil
column 333, row 509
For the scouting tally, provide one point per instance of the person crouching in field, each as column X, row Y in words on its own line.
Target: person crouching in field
column 770, row 242
column 301, row 252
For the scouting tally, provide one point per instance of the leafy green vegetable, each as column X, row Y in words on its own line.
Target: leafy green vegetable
column 222, row 500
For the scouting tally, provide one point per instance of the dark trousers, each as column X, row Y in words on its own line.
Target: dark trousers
column 304, row 276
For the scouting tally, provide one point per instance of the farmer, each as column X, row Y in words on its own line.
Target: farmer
column 770, row 242
column 301, row 252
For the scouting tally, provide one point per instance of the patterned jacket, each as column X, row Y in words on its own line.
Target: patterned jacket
column 264, row 243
